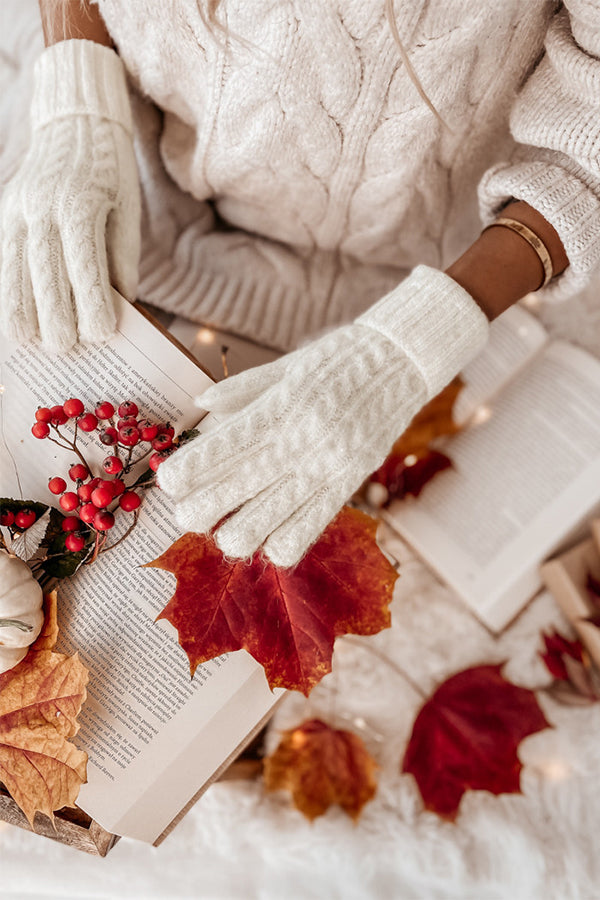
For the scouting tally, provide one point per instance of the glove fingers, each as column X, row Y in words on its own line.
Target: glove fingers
column 88, row 269
column 123, row 246
column 201, row 511
column 18, row 314
column 288, row 543
column 51, row 288
column 236, row 392
column 244, row 532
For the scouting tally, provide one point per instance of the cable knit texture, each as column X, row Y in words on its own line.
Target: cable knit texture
column 299, row 435
column 70, row 216
column 320, row 177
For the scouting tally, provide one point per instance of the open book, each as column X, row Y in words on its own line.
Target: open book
column 154, row 737
column 526, row 470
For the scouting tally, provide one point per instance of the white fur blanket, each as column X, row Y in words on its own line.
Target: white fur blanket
column 240, row 843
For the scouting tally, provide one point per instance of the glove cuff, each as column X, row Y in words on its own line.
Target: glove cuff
column 74, row 78
column 434, row 321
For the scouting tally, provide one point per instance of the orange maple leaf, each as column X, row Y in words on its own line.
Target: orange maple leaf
column 287, row 619
column 40, row 699
column 321, row 766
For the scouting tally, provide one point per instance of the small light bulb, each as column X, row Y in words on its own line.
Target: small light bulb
column 410, row 460
column 531, row 301
column 481, row 414
column 555, row 769
column 205, row 336
column 1, row 388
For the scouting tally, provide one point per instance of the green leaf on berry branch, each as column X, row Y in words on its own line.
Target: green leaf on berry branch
column 287, row 619
column 60, row 562
column 466, row 737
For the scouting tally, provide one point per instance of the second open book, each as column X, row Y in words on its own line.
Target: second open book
column 526, row 471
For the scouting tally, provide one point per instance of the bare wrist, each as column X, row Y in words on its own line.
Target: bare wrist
column 500, row 267
column 64, row 20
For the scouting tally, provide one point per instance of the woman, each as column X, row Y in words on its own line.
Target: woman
column 325, row 198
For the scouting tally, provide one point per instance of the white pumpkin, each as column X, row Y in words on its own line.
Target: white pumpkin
column 21, row 614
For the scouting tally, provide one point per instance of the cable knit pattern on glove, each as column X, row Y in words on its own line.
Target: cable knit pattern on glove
column 70, row 217
column 300, row 435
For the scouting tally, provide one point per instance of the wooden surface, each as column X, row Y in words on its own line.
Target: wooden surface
column 71, row 826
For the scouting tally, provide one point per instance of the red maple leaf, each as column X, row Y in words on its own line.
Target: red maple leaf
column 466, row 737
column 287, row 619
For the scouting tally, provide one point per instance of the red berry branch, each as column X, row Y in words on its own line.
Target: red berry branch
column 92, row 500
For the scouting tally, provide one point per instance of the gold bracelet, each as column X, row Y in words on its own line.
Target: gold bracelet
column 533, row 240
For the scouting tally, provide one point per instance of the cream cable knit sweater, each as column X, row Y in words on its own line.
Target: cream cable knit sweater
column 318, row 176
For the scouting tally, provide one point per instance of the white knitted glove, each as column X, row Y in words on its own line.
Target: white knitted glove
column 70, row 218
column 301, row 434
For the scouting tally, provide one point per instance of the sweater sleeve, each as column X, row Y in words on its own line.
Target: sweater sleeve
column 555, row 166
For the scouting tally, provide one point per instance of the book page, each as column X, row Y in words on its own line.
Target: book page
column 521, row 481
column 154, row 736
column 514, row 340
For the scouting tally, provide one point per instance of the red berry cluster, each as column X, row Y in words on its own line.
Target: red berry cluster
column 20, row 520
column 92, row 500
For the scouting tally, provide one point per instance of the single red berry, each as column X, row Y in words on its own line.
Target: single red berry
column 101, row 497
column 57, row 485
column 129, row 501
column 70, row 523
column 84, row 491
column 7, row 517
column 43, row 414
column 147, row 429
column 25, row 518
column 87, row 513
column 165, row 428
column 79, row 472
column 128, row 408
column 69, row 501
column 40, row 430
column 58, row 416
column 118, row 487
column 89, row 422
column 109, row 436
column 129, row 436
column 127, row 422
column 105, row 410
column 103, row 521
column 112, row 465
column 73, row 408
column 107, row 483
column 162, row 442
column 157, row 458
column 74, row 542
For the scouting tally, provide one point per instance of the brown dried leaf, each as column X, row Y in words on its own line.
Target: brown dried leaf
column 322, row 766
column 40, row 699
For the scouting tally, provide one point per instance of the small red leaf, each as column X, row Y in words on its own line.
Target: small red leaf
column 406, row 475
column 466, row 737
column 287, row 619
